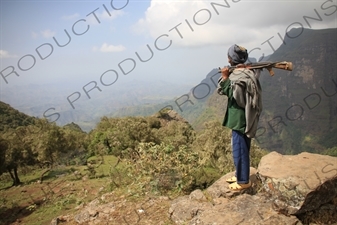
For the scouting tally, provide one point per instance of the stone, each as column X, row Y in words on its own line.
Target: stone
column 298, row 183
column 184, row 208
column 197, row 195
column 82, row 217
column 54, row 221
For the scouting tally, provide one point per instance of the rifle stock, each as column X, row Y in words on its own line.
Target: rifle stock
column 283, row 65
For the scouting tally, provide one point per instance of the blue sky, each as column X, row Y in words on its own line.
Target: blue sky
column 29, row 26
column 187, row 38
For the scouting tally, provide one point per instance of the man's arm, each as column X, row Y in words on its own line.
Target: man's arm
column 225, row 83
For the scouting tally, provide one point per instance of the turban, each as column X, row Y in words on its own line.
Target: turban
column 238, row 54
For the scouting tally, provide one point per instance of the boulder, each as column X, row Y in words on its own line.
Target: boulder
column 299, row 183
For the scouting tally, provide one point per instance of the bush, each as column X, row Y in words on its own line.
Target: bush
column 168, row 168
column 214, row 146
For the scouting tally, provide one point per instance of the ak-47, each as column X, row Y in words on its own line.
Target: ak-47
column 261, row 65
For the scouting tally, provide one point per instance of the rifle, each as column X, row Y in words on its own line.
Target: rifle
column 284, row 65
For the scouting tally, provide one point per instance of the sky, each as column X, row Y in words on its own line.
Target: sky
column 119, row 41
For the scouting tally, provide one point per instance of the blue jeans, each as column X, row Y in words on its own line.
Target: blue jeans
column 241, row 147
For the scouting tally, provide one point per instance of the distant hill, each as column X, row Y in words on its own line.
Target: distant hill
column 73, row 126
column 190, row 105
column 12, row 118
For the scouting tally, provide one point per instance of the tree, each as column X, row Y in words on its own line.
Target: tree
column 40, row 143
column 49, row 144
column 76, row 145
column 3, row 149
column 16, row 152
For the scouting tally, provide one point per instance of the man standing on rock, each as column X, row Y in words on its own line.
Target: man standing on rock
column 244, row 106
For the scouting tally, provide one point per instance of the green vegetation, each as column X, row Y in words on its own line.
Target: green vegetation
column 331, row 151
column 52, row 167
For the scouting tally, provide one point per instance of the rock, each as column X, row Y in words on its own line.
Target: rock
column 244, row 209
column 64, row 218
column 197, row 195
column 82, row 217
column 54, row 221
column 94, row 212
column 298, row 183
column 185, row 208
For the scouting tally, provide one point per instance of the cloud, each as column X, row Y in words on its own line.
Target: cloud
column 97, row 17
column 109, row 48
column 249, row 23
column 34, row 35
column 5, row 54
column 47, row 33
column 70, row 17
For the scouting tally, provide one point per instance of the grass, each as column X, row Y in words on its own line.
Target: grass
column 62, row 189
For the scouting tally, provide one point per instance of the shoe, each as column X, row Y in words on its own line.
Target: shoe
column 238, row 187
column 231, row 180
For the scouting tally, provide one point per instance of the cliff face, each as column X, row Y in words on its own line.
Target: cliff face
column 300, row 107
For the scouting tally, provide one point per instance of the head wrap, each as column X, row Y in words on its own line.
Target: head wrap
column 238, row 54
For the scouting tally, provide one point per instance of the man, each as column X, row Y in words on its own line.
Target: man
column 244, row 106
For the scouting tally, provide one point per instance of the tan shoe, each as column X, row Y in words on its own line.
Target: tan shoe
column 238, row 187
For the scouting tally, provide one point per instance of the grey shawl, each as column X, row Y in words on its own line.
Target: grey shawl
column 248, row 95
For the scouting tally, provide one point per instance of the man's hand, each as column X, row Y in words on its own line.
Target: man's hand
column 225, row 73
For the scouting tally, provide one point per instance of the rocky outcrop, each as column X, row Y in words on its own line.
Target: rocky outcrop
column 243, row 209
column 299, row 183
column 286, row 189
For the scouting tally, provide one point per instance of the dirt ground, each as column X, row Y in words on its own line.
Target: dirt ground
column 64, row 199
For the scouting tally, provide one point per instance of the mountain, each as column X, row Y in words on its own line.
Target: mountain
column 300, row 107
